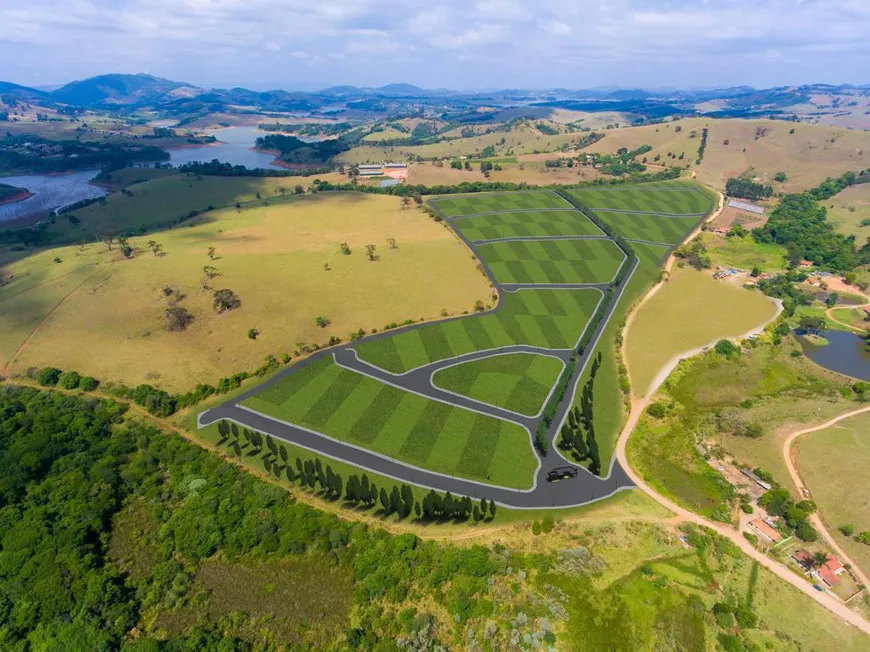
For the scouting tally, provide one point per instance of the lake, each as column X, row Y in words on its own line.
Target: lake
column 234, row 148
column 845, row 354
column 51, row 192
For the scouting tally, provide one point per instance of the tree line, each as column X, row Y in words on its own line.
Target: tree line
column 358, row 490
column 578, row 432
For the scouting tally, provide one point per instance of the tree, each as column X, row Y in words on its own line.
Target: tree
column 820, row 558
column 211, row 252
column 726, row 348
column 385, row 501
column 417, row 509
column 811, row 324
column 407, row 500
column 370, row 252
column 210, row 271
column 48, row 376
column 177, row 318
column 225, row 300
column 476, row 514
column 323, row 322
column 492, row 509
column 392, row 243
column 299, row 189
column 345, row 249
column 155, row 247
column 253, row 334
column 395, row 500
column 69, row 380
column 832, row 299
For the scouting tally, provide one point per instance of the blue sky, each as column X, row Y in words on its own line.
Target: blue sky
column 461, row 44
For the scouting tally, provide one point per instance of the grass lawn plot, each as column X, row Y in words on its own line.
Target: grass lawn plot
column 553, row 319
column 519, row 382
column 671, row 199
column 652, row 228
column 692, row 309
column 272, row 257
column 745, row 253
column 552, row 261
column 525, row 224
column 352, row 407
column 854, row 317
column 497, row 202
column 834, row 463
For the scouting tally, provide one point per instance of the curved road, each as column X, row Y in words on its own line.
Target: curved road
column 582, row 489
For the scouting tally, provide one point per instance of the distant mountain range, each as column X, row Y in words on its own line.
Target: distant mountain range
column 124, row 91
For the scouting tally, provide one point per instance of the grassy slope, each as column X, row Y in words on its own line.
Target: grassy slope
column 272, row 257
column 516, row 381
column 765, row 385
column 744, row 253
column 833, row 463
column 653, row 228
column 806, row 156
column 691, row 310
column 848, row 209
column 165, row 200
column 355, row 408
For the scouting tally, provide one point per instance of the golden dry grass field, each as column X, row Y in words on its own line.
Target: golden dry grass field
column 691, row 310
column 524, row 139
column 102, row 315
column 848, row 209
column 807, row 156
column 532, row 172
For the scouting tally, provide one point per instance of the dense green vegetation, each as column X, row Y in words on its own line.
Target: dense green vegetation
column 107, row 525
column 747, row 188
column 801, row 224
column 29, row 153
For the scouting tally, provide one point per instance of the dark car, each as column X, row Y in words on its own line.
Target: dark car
column 562, row 473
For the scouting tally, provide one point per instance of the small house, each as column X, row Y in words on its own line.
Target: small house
column 764, row 529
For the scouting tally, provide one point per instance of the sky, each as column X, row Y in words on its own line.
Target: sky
column 457, row 44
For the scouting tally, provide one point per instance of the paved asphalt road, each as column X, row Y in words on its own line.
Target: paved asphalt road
column 582, row 489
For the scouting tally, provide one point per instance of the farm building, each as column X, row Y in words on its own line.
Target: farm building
column 746, row 206
column 828, row 572
column 370, row 170
column 393, row 170
column 765, row 530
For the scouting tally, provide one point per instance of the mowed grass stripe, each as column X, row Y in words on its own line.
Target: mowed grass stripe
column 372, row 420
column 293, row 384
column 425, row 433
column 480, row 447
column 334, row 397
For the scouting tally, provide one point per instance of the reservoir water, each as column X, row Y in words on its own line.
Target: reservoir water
column 51, row 192
column 846, row 353
column 234, row 147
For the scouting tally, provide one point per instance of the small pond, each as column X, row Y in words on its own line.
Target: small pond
column 51, row 191
column 845, row 353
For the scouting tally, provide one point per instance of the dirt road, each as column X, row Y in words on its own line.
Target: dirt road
column 816, row 519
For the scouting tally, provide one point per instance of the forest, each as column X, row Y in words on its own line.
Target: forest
column 73, row 470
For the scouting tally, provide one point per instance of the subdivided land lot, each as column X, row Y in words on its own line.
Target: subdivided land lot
column 355, row 408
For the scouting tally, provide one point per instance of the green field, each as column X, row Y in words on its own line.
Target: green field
column 671, row 198
column 519, row 382
column 351, row 407
column 652, row 228
column 497, row 202
column 830, row 461
column 553, row 261
column 660, row 329
column 745, row 253
column 608, row 396
column 552, row 319
column 525, row 224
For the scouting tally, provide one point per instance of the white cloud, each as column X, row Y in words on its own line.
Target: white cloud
column 572, row 43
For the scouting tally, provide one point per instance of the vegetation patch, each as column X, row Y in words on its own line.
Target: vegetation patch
column 519, row 382
column 690, row 310
column 349, row 406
